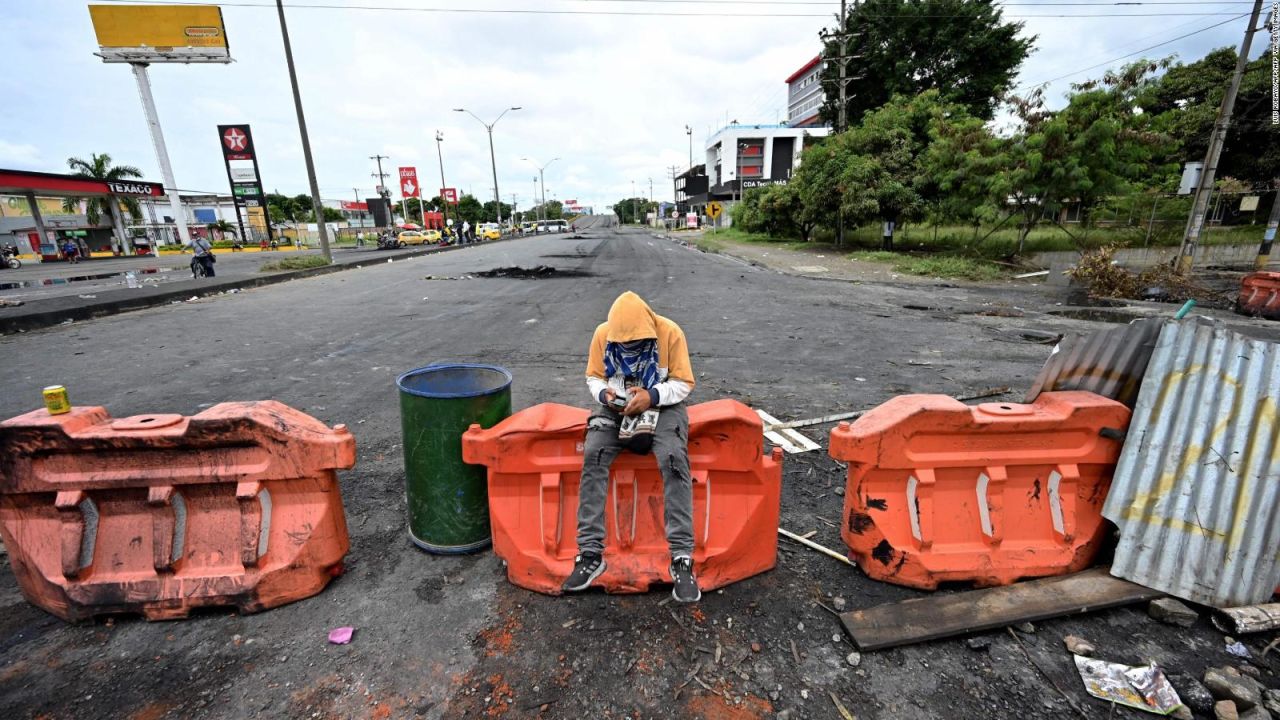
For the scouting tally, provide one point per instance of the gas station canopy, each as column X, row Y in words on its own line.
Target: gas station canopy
column 22, row 182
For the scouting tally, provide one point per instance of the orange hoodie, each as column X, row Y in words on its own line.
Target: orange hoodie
column 631, row 318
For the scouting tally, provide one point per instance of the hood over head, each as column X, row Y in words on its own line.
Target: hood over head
column 630, row 319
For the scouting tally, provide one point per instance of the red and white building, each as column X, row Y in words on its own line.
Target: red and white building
column 805, row 95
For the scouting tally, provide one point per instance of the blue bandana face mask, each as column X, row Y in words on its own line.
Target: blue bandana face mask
column 637, row 360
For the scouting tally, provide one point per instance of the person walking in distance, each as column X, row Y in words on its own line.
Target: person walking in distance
column 639, row 375
column 204, row 254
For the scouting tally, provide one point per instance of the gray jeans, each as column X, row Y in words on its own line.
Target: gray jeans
column 670, row 447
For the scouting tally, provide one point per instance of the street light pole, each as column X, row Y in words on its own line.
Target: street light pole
column 542, row 181
column 493, row 163
column 689, row 131
column 444, row 202
column 317, row 208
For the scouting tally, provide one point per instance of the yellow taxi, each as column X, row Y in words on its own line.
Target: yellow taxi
column 489, row 231
column 412, row 237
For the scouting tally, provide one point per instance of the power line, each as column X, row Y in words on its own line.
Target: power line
column 631, row 13
column 1136, row 52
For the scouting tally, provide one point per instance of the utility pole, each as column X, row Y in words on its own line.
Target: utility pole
column 634, row 214
column 444, row 202
column 537, row 215
column 316, row 206
column 1195, row 223
column 1269, row 236
column 497, row 201
column 381, row 189
column 841, row 37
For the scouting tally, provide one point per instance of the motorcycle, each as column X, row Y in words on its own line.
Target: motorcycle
column 9, row 258
column 387, row 241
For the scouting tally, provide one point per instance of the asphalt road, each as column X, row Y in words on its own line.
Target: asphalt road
column 440, row 636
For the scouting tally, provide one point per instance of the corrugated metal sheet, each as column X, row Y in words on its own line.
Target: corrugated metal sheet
column 1109, row 362
column 1196, row 493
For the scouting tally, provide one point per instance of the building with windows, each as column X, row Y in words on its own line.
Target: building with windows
column 805, row 95
column 741, row 157
column 691, row 189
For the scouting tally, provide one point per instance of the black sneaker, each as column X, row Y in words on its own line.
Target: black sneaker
column 586, row 568
column 686, row 585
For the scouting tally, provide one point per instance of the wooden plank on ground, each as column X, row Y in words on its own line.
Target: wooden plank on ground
column 944, row 615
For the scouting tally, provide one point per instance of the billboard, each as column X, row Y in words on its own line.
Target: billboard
column 449, row 195
column 160, row 33
column 409, row 182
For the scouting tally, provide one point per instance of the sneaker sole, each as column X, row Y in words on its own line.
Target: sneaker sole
column 678, row 599
column 579, row 588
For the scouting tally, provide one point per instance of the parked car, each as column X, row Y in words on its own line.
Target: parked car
column 489, row 231
column 412, row 237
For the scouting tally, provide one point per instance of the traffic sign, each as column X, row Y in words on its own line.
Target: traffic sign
column 714, row 209
column 409, row 182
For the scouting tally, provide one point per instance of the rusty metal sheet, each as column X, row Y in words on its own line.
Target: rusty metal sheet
column 1196, row 493
column 1109, row 362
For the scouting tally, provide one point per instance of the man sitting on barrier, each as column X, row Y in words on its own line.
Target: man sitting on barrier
column 639, row 372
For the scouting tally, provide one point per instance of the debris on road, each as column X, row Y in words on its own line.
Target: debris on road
column 1226, row 683
column 787, row 439
column 1079, row 646
column 1248, row 619
column 938, row 616
column 341, row 635
column 1239, row 650
column 1172, row 612
column 1190, row 524
column 1142, row 688
column 811, row 544
column 1110, row 362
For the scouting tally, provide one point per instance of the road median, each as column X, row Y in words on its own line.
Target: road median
column 44, row 313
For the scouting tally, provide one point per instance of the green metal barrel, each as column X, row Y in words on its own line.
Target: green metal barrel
column 448, row 499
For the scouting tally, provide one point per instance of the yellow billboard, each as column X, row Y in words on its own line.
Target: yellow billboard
column 160, row 33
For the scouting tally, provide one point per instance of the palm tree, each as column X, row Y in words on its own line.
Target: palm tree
column 224, row 227
column 99, row 167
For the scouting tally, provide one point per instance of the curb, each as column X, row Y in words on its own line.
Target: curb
column 40, row 319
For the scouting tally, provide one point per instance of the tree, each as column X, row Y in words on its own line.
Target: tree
column 223, row 227
column 488, row 214
column 776, row 210
column 470, row 210
column 1184, row 103
column 99, row 167
column 961, row 48
column 628, row 210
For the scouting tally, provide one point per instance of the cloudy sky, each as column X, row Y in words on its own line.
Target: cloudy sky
column 607, row 86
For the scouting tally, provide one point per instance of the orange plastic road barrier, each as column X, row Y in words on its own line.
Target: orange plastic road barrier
column 161, row 514
column 939, row 491
column 1260, row 295
column 535, row 461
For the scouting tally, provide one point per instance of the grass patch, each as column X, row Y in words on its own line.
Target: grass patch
column 1003, row 243
column 942, row 266
column 295, row 263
